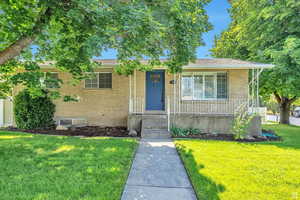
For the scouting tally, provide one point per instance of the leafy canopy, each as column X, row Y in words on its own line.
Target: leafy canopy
column 266, row 31
column 72, row 32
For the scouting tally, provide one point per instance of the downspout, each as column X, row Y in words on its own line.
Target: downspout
column 252, row 95
column 130, row 95
column 134, row 85
column 1, row 112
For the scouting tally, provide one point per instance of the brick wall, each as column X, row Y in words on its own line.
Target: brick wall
column 109, row 107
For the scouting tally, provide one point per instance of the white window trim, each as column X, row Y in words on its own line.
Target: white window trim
column 97, row 76
column 42, row 80
column 203, row 79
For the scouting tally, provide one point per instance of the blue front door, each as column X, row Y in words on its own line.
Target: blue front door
column 155, row 90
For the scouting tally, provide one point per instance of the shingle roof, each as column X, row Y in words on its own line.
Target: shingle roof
column 210, row 63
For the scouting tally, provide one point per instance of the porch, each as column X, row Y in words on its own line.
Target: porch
column 211, row 107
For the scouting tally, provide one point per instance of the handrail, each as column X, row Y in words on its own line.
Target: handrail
column 168, row 112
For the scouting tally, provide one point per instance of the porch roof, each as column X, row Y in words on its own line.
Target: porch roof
column 207, row 63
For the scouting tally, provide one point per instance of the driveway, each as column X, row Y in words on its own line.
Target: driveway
column 293, row 120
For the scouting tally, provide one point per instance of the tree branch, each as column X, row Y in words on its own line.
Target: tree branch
column 277, row 97
column 15, row 48
column 292, row 100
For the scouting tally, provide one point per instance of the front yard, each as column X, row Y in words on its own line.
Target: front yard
column 42, row 167
column 248, row 171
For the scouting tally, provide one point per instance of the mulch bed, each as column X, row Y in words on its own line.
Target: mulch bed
column 229, row 137
column 87, row 131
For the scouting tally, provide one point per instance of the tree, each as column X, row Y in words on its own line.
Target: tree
column 267, row 31
column 72, row 32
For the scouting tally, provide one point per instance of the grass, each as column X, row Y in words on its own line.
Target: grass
column 248, row 171
column 40, row 167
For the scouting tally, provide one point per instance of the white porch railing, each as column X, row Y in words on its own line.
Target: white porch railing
column 224, row 106
column 137, row 105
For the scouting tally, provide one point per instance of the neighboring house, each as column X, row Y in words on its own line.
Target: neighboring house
column 205, row 95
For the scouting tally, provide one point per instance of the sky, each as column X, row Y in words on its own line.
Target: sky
column 218, row 17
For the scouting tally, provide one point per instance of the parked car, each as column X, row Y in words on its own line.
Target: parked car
column 296, row 112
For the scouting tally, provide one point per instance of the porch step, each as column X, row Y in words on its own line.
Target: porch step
column 155, row 123
column 155, row 133
column 155, row 126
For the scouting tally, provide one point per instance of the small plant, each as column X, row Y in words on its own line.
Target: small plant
column 241, row 123
column 182, row 132
column 194, row 131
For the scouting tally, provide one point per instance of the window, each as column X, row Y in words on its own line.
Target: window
column 51, row 80
column 204, row 85
column 99, row 80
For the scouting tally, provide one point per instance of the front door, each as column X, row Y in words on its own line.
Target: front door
column 155, row 90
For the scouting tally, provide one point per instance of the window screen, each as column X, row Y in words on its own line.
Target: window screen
column 92, row 82
column 221, row 85
column 204, row 85
column 105, row 80
column 99, row 80
column 187, row 87
column 51, row 80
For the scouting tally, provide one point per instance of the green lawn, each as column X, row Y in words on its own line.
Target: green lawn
column 245, row 171
column 39, row 167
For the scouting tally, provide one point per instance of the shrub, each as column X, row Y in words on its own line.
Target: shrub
column 184, row 131
column 33, row 112
column 241, row 122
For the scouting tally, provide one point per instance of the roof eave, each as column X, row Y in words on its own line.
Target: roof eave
column 228, row 66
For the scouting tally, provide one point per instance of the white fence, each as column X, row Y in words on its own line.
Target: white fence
column 6, row 112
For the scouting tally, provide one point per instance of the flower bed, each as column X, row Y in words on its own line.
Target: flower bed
column 86, row 131
column 198, row 134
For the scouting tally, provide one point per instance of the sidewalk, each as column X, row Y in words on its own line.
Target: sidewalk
column 157, row 173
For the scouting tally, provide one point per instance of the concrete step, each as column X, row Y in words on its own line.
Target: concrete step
column 148, row 116
column 155, row 133
column 155, row 123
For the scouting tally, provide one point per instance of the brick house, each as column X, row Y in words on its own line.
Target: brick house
column 205, row 95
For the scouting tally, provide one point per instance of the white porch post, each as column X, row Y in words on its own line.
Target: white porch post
column 1, row 112
column 257, row 89
column 179, row 93
column 174, row 93
column 130, row 94
column 252, row 95
column 134, row 85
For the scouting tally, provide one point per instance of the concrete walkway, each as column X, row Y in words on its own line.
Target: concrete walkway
column 157, row 173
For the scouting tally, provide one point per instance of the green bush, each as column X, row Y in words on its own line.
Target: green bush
column 241, row 124
column 185, row 131
column 33, row 112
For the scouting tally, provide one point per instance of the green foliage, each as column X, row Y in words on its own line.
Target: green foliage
column 241, row 123
column 71, row 33
column 266, row 31
column 33, row 112
column 272, row 105
column 182, row 132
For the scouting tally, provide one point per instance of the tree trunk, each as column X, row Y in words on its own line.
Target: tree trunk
column 285, row 108
column 15, row 49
